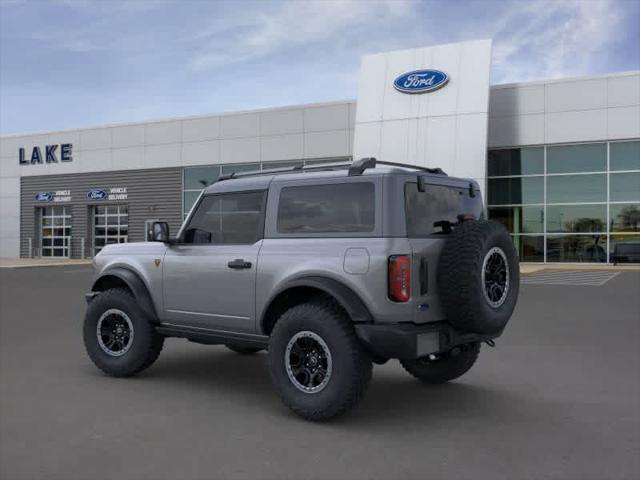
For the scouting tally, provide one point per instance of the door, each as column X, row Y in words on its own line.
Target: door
column 110, row 225
column 209, row 276
column 55, row 232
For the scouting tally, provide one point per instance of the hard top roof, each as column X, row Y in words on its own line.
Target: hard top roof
column 367, row 166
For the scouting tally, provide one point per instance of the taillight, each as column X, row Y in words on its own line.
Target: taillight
column 399, row 278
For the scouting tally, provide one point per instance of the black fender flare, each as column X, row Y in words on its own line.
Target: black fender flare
column 345, row 296
column 135, row 284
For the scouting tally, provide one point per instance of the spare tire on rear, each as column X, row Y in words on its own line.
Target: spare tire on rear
column 478, row 277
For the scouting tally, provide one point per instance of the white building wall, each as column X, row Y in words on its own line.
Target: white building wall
column 565, row 111
column 300, row 132
column 445, row 128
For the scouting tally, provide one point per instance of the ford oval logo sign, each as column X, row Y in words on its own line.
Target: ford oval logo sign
column 97, row 195
column 44, row 196
column 420, row 81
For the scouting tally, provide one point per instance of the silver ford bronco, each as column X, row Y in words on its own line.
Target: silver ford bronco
column 329, row 268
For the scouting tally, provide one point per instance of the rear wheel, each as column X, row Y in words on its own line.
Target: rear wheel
column 317, row 364
column 442, row 368
column 118, row 336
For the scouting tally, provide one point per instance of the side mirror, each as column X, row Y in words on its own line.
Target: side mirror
column 160, row 232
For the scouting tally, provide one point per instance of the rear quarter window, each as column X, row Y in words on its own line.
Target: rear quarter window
column 438, row 203
column 332, row 208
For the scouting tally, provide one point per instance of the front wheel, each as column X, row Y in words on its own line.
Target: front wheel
column 317, row 364
column 444, row 367
column 118, row 337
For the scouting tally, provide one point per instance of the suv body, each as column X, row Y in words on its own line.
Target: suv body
column 366, row 237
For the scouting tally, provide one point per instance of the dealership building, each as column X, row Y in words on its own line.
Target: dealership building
column 558, row 160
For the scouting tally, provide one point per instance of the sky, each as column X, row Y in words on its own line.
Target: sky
column 79, row 63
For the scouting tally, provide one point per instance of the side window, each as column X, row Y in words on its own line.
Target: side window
column 227, row 219
column 426, row 211
column 333, row 208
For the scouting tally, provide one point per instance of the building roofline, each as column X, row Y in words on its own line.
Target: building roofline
column 186, row 118
column 302, row 106
column 566, row 79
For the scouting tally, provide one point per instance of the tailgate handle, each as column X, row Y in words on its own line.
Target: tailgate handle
column 424, row 276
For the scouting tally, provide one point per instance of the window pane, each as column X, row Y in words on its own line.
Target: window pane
column 577, row 158
column 530, row 249
column 625, row 248
column 189, row 199
column 624, row 217
column 436, row 204
column 228, row 219
column 516, row 191
column 576, row 248
column 576, row 218
column 577, row 188
column 241, row 167
column 519, row 219
column 624, row 156
column 196, row 178
column 625, row 187
column 516, row 161
column 337, row 208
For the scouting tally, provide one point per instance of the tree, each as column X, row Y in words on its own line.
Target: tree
column 628, row 219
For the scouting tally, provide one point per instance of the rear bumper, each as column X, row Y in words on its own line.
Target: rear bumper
column 410, row 341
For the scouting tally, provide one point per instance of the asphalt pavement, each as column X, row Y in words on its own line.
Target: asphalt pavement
column 559, row 397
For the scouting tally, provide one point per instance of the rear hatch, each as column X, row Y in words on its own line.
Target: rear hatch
column 432, row 210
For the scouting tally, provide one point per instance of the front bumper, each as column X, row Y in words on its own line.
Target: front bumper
column 410, row 341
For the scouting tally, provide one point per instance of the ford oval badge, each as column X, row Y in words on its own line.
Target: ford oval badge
column 97, row 195
column 420, row 81
column 44, row 196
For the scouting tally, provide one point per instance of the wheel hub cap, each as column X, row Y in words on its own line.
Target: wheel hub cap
column 115, row 332
column 308, row 362
column 495, row 277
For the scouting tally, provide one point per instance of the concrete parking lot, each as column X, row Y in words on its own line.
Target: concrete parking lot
column 559, row 397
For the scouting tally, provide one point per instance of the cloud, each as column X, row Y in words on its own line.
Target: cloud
column 289, row 25
column 549, row 39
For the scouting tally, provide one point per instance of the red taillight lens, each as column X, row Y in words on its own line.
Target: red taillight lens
column 399, row 278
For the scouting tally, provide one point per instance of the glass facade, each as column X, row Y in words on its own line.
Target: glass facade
column 568, row 203
column 197, row 178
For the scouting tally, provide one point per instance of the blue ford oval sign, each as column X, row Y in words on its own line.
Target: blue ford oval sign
column 97, row 195
column 44, row 196
column 420, row 81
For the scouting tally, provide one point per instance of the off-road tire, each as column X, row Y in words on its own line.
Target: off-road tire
column 445, row 368
column 146, row 344
column 460, row 286
column 243, row 349
column 352, row 366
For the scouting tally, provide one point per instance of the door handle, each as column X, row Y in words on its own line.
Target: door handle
column 239, row 263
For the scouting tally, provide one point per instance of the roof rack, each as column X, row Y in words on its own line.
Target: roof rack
column 356, row 168
column 294, row 169
column 359, row 166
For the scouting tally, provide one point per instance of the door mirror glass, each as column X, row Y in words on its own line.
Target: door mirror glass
column 160, row 232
